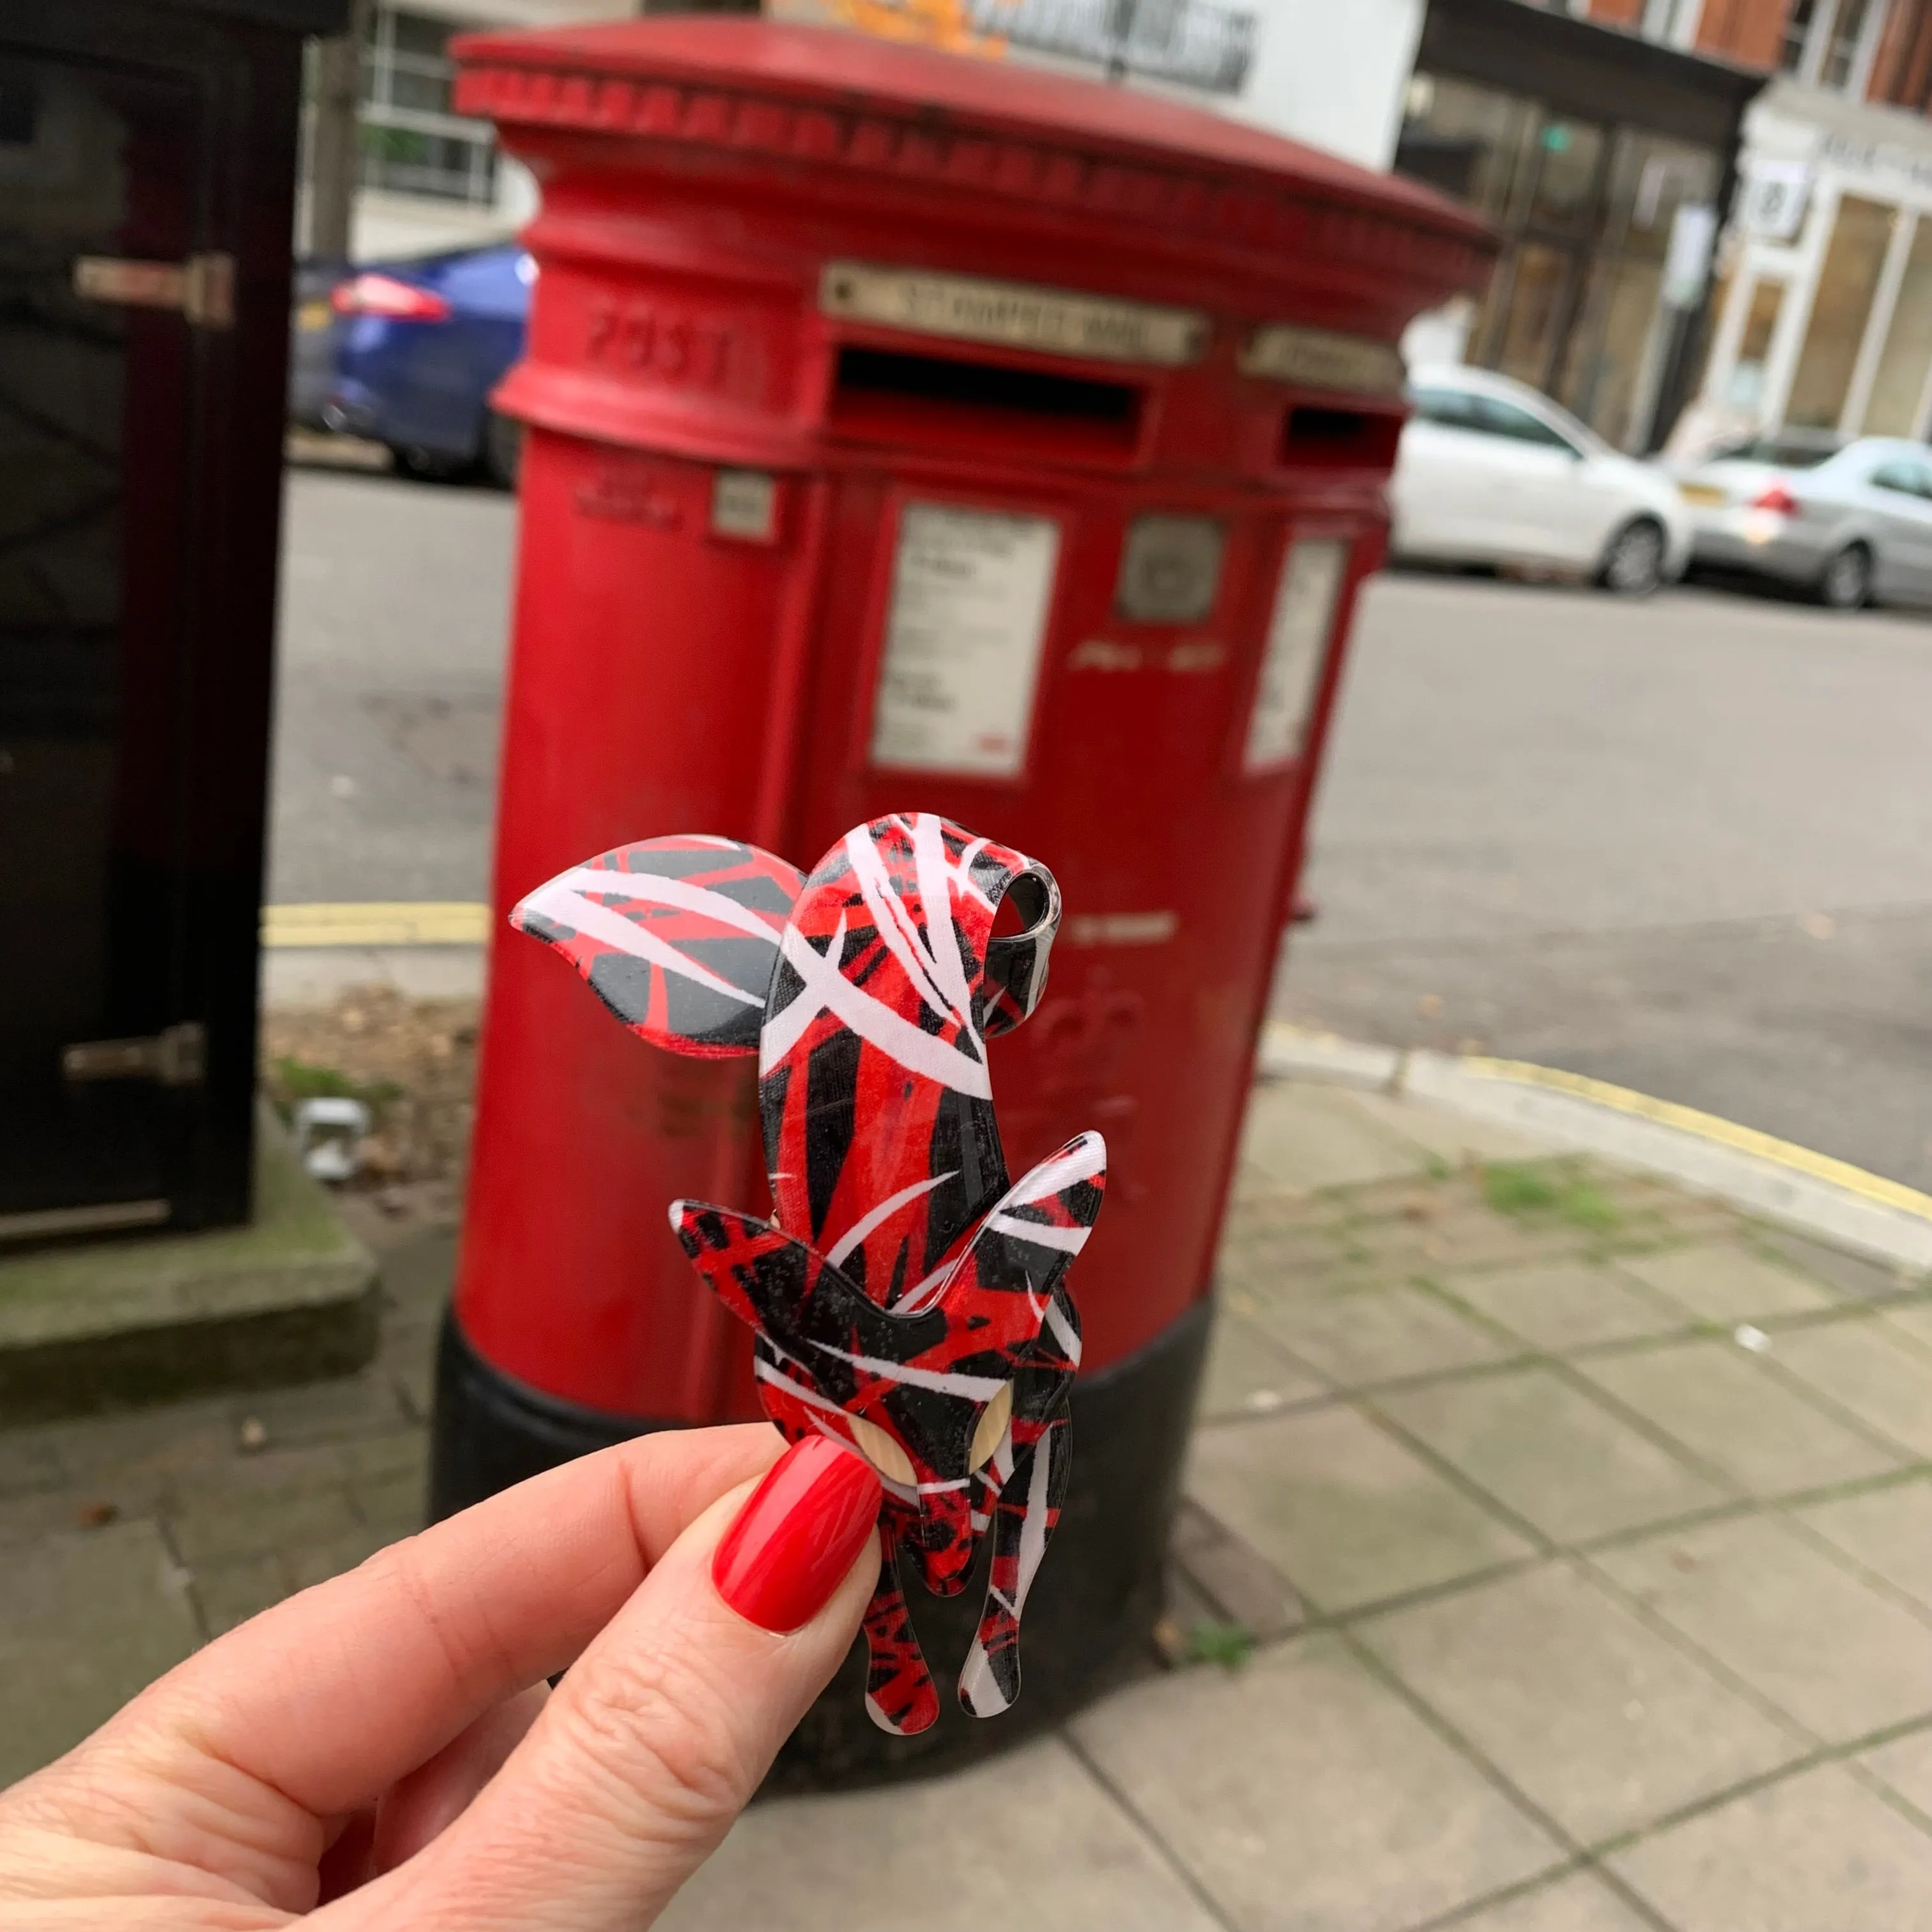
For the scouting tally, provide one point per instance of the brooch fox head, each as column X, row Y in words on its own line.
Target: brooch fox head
column 907, row 1296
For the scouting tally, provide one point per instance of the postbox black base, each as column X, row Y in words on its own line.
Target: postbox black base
column 1092, row 1606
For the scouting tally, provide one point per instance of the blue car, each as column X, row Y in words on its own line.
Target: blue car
column 406, row 353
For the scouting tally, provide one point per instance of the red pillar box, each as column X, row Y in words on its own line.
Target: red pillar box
column 908, row 432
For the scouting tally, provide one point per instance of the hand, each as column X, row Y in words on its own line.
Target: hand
column 386, row 1741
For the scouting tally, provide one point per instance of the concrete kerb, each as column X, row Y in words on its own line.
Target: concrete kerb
column 1572, row 1113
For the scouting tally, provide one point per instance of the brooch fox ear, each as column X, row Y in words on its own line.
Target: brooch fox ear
column 1015, row 969
column 678, row 936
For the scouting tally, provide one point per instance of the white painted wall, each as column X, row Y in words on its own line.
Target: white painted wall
column 1333, row 72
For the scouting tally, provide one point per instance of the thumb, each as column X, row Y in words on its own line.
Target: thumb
column 659, row 1735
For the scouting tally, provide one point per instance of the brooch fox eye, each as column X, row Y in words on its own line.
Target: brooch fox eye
column 992, row 1429
column 882, row 1452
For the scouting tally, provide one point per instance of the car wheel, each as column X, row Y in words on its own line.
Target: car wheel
column 502, row 449
column 1632, row 566
column 426, row 465
column 1845, row 584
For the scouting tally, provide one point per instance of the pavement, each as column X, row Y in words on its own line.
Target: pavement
column 1683, row 845
column 1564, row 1537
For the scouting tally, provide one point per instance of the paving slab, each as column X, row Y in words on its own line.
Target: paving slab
column 1247, row 1374
column 1817, row 1852
column 1299, row 1137
column 1717, row 1400
column 1032, row 1840
column 1581, row 1903
column 1346, row 1514
column 1905, row 1765
column 1560, row 1306
column 1727, row 1282
column 230, row 1527
column 1597, row 1720
column 1456, row 1137
column 87, row 1618
column 1914, row 1322
column 1365, row 1337
column 1545, row 1449
column 1304, row 1796
column 1829, row 1651
column 1888, row 1530
column 1885, row 1384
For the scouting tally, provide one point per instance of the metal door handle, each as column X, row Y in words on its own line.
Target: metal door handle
column 203, row 287
column 177, row 1057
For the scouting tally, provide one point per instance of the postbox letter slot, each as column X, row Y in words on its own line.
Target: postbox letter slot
column 1331, row 439
column 878, row 392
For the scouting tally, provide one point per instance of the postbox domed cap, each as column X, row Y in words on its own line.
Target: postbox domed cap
column 984, row 127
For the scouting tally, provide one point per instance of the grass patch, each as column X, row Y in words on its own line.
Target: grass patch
column 1228, row 1644
column 1527, row 1190
column 295, row 1081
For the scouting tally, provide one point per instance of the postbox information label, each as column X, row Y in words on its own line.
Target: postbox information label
column 1297, row 641
column 971, row 593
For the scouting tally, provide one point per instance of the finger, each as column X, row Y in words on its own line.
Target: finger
column 331, row 1697
column 660, row 1734
column 428, row 1801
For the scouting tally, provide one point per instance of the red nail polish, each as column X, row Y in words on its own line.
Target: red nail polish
column 800, row 1532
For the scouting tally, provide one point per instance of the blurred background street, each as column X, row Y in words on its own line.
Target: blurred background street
column 1682, row 844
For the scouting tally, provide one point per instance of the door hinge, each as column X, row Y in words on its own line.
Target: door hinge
column 177, row 1057
column 202, row 288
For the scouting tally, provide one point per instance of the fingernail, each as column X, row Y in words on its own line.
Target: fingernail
column 800, row 1532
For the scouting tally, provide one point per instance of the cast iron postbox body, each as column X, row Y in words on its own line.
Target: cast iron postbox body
column 908, row 432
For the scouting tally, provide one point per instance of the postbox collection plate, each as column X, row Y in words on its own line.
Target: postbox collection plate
column 971, row 592
column 1016, row 315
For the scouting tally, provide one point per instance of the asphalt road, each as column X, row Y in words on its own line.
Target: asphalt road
column 1685, row 845
column 395, row 616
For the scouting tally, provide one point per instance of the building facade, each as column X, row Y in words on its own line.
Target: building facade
column 1823, row 312
column 431, row 179
column 1605, row 157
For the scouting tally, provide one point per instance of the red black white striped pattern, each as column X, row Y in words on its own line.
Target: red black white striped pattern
column 902, row 1280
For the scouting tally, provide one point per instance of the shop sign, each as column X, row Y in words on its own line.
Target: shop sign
column 1879, row 161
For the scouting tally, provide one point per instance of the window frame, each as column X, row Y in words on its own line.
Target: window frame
column 475, row 185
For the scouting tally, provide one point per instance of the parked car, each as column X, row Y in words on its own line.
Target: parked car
column 1490, row 471
column 1850, row 523
column 407, row 352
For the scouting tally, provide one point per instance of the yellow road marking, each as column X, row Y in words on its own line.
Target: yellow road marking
column 1710, row 1127
column 432, row 923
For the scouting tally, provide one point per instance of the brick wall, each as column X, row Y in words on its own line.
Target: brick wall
column 1750, row 32
column 1902, row 72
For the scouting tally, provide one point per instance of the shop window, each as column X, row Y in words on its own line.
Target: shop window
column 1797, row 25
column 412, row 143
column 1675, row 23
column 1569, row 158
column 1839, row 310
column 1745, row 391
column 1906, row 359
column 1614, row 362
column 1471, row 143
column 1530, row 308
column 1845, row 43
column 1830, row 42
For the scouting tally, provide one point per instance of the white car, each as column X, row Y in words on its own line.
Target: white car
column 1491, row 471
